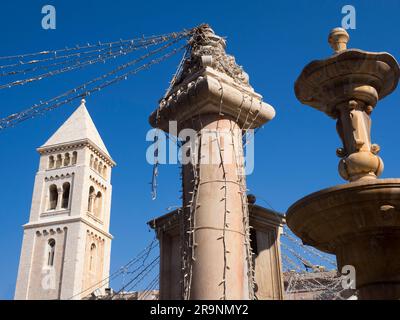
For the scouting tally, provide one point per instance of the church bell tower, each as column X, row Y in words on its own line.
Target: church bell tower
column 66, row 245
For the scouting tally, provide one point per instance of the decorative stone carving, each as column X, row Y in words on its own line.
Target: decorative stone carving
column 208, row 50
column 347, row 87
column 358, row 221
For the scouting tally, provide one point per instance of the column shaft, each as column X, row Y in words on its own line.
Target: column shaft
column 213, row 202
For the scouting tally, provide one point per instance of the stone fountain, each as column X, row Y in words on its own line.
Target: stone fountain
column 359, row 221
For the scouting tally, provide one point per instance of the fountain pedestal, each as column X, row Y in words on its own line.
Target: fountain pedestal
column 359, row 222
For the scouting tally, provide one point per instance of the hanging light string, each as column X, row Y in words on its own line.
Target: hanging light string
column 55, row 53
column 83, row 89
column 138, row 277
column 140, row 257
column 179, row 70
column 143, row 274
column 297, row 255
column 302, row 282
column 80, row 54
column 308, row 249
column 289, row 262
column 150, row 288
column 153, row 182
column 77, row 63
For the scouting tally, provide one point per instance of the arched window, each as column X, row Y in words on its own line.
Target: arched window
column 91, row 161
column 65, row 196
column 96, row 164
column 67, row 160
column 53, row 197
column 51, row 246
column 51, row 162
column 92, row 196
column 100, row 167
column 74, row 158
column 92, row 258
column 105, row 172
column 98, row 204
column 59, row 161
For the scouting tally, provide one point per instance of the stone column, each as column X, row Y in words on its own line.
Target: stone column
column 211, row 100
column 216, row 201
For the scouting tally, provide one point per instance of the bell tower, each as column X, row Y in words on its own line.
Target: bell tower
column 66, row 245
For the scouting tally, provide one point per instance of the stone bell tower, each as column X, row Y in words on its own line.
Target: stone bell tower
column 66, row 245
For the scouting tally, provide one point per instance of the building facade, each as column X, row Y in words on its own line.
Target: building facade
column 66, row 244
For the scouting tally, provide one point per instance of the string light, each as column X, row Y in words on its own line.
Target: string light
column 99, row 44
column 83, row 89
column 78, row 63
column 142, row 256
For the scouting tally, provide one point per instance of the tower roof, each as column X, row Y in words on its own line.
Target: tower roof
column 79, row 126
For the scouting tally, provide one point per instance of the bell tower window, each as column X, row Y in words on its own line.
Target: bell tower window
column 51, row 162
column 67, row 160
column 66, row 195
column 53, row 197
column 98, row 204
column 51, row 245
column 74, row 158
column 100, row 169
column 92, row 258
column 59, row 161
column 92, row 196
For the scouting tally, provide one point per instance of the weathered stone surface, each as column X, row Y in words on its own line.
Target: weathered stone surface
column 75, row 156
column 359, row 222
column 347, row 87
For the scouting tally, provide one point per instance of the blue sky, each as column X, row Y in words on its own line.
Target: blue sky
column 273, row 40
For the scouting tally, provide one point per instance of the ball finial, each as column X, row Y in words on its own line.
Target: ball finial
column 338, row 39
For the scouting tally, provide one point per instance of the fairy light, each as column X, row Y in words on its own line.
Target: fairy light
column 77, row 64
column 87, row 46
column 83, row 89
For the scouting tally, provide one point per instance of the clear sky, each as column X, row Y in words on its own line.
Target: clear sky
column 273, row 40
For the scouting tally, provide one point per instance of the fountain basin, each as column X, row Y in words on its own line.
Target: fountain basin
column 359, row 222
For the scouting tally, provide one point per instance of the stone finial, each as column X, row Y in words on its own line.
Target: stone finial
column 208, row 50
column 338, row 39
column 83, row 101
column 347, row 87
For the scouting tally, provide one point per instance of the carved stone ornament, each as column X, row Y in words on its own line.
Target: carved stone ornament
column 347, row 87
